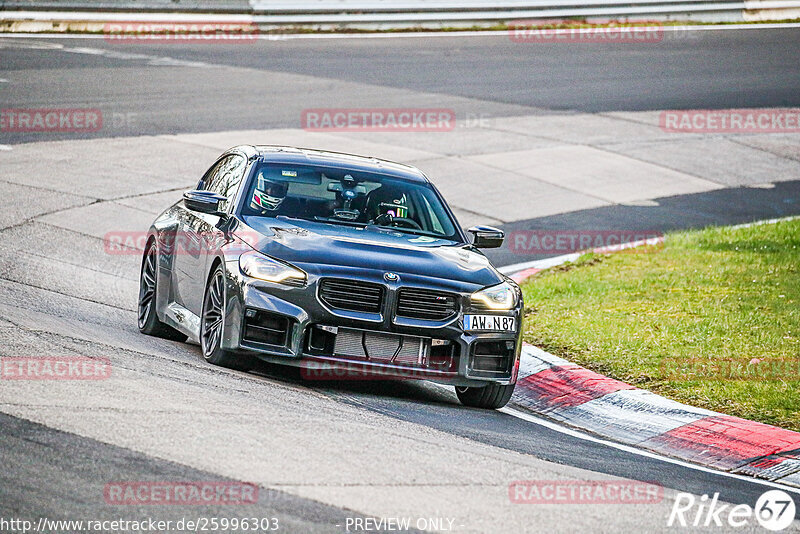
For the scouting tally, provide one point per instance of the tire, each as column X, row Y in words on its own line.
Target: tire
column 147, row 317
column 492, row 397
column 212, row 326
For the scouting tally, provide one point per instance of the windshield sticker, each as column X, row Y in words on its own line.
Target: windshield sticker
column 423, row 239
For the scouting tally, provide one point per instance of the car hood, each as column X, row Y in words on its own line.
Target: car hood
column 314, row 245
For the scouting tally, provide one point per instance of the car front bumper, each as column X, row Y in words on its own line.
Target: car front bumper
column 292, row 326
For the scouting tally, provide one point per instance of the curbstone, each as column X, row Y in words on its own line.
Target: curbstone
column 551, row 387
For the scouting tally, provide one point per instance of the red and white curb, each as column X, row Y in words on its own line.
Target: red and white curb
column 554, row 388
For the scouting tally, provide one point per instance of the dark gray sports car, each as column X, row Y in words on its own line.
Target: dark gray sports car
column 346, row 266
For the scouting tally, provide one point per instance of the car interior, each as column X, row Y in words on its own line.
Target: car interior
column 346, row 197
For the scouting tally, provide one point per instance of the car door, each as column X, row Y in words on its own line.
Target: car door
column 189, row 260
column 200, row 230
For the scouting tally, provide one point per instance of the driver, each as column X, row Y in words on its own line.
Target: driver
column 268, row 194
column 386, row 200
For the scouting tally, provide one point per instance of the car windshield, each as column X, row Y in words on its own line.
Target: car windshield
column 341, row 196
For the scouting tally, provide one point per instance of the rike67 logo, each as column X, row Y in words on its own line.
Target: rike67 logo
column 774, row 510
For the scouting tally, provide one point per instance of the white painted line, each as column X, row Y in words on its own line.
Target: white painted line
column 767, row 221
column 540, row 264
column 633, row 450
column 30, row 45
column 84, row 50
column 5, row 147
column 155, row 61
column 627, row 448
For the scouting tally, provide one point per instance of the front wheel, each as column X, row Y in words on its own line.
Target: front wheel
column 149, row 322
column 492, row 397
column 212, row 326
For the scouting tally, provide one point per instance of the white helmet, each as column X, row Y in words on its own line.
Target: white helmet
column 267, row 194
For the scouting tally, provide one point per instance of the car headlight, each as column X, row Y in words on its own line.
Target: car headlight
column 500, row 297
column 259, row 266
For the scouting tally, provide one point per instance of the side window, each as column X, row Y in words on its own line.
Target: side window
column 210, row 174
column 226, row 176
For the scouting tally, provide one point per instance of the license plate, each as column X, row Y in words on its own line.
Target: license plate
column 499, row 323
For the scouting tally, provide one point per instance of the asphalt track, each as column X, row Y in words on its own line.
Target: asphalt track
column 321, row 452
column 498, row 77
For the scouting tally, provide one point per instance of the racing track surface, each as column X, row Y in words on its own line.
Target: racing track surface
column 491, row 76
column 321, row 452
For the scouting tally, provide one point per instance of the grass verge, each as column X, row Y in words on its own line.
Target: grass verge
column 711, row 319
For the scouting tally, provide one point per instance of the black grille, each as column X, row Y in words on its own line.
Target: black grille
column 426, row 305
column 351, row 295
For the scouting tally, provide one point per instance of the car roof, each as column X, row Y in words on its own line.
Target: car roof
column 338, row 160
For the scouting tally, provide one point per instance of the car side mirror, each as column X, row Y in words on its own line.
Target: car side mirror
column 486, row 237
column 204, row 202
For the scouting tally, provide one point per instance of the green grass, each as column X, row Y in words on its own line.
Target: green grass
column 719, row 296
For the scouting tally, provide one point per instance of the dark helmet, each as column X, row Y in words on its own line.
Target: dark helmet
column 386, row 199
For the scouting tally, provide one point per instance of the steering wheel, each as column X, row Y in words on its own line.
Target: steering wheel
column 390, row 220
column 405, row 221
